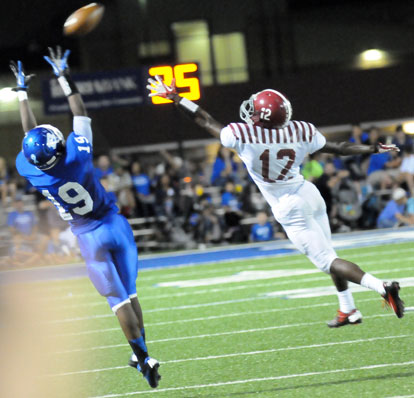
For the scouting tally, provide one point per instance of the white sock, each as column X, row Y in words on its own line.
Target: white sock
column 346, row 301
column 371, row 282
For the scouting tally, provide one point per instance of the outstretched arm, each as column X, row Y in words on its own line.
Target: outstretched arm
column 199, row 115
column 349, row 148
column 23, row 80
column 60, row 66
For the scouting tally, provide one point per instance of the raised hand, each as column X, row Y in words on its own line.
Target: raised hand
column 161, row 89
column 58, row 62
column 22, row 79
column 381, row 148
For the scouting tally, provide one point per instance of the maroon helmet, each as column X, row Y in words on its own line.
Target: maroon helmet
column 268, row 108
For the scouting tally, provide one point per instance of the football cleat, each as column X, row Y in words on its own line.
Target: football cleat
column 392, row 298
column 351, row 318
column 150, row 371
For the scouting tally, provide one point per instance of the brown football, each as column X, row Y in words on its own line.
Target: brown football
column 84, row 20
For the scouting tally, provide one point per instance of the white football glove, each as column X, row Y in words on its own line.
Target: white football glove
column 159, row 89
column 381, row 148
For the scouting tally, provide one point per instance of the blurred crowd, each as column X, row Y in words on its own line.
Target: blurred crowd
column 176, row 201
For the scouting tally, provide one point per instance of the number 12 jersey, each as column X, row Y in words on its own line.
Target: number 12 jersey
column 273, row 156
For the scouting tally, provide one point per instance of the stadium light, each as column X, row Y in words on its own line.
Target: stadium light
column 372, row 55
column 373, row 58
column 408, row 127
column 7, row 95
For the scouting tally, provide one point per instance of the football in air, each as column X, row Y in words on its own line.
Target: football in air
column 83, row 20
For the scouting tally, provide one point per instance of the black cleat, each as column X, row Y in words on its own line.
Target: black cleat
column 150, row 371
column 392, row 298
column 352, row 318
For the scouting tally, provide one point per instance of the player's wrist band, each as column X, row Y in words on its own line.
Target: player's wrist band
column 22, row 95
column 188, row 105
column 68, row 85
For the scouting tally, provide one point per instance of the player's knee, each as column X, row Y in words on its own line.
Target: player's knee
column 324, row 261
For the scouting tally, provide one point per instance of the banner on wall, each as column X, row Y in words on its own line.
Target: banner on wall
column 99, row 90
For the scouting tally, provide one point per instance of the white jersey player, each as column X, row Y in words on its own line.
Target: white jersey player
column 273, row 147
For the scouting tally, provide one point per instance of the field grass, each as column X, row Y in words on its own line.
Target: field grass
column 234, row 339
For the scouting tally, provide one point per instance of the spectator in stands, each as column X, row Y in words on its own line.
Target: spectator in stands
column 358, row 136
column 232, row 214
column 354, row 163
column 4, row 181
column 229, row 198
column 210, row 229
column 383, row 168
column 262, row 230
column 22, row 226
column 103, row 166
column 165, row 198
column 224, row 167
column 328, row 184
column 402, row 140
column 410, row 207
column 120, row 183
column 393, row 213
column 142, row 188
column 407, row 167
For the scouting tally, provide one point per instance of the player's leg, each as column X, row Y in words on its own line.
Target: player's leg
column 95, row 248
column 125, row 258
column 342, row 270
column 347, row 313
column 307, row 226
column 388, row 290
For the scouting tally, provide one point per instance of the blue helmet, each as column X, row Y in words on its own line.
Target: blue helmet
column 43, row 146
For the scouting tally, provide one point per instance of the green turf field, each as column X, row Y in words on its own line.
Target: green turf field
column 239, row 338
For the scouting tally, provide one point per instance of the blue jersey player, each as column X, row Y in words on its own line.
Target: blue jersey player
column 63, row 172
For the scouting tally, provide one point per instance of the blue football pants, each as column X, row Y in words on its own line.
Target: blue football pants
column 111, row 258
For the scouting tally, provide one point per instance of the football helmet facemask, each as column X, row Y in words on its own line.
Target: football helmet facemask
column 268, row 108
column 43, row 146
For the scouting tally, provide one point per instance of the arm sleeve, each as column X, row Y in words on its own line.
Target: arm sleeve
column 82, row 126
column 227, row 138
column 318, row 141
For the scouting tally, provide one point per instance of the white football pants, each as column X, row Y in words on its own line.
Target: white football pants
column 302, row 213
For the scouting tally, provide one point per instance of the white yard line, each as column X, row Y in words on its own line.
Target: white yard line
column 261, row 352
column 200, row 272
column 211, row 317
column 262, row 379
column 208, row 335
column 276, row 281
column 163, row 309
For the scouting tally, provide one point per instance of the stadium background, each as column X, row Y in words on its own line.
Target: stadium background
column 310, row 50
column 307, row 49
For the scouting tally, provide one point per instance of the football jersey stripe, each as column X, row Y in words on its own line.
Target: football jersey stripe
column 249, row 134
column 234, row 131
column 246, row 133
column 290, row 129
column 253, row 133
column 305, row 131
column 311, row 131
column 302, row 130
column 268, row 134
column 239, row 132
column 263, row 132
column 275, row 134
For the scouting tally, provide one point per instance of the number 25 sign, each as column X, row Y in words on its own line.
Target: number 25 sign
column 168, row 72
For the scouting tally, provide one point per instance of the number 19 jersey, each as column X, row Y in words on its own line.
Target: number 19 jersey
column 72, row 186
column 273, row 156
